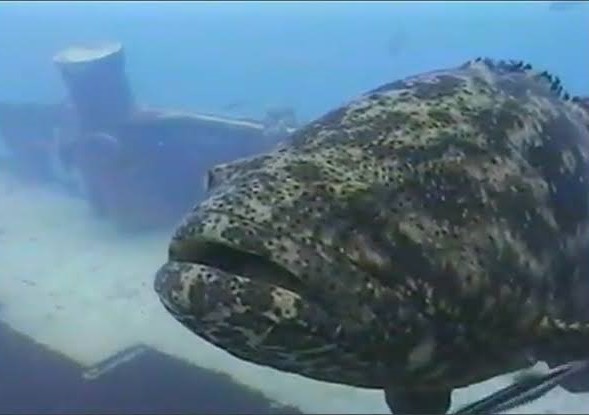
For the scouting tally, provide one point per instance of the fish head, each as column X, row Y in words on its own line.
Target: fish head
column 267, row 267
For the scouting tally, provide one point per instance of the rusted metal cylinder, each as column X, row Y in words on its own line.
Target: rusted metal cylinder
column 97, row 84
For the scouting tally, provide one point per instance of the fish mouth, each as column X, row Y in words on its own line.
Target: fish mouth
column 238, row 297
column 222, row 256
column 242, row 302
column 219, row 270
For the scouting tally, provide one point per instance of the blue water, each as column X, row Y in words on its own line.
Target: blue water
column 308, row 55
column 241, row 59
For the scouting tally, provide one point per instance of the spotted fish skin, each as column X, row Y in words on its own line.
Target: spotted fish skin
column 427, row 235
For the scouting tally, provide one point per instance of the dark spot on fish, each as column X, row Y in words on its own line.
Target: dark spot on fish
column 447, row 194
column 253, row 164
column 444, row 85
column 304, row 171
column 503, row 257
column 568, row 197
column 246, row 240
column 518, row 207
column 330, row 121
column 442, row 116
column 496, row 124
column 437, row 148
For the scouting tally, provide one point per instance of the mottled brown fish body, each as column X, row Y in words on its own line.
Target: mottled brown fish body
column 427, row 235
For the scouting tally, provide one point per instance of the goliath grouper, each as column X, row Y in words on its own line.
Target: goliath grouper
column 431, row 234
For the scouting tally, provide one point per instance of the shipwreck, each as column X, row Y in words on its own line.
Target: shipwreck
column 139, row 167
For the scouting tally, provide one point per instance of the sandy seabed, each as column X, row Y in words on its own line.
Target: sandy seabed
column 70, row 282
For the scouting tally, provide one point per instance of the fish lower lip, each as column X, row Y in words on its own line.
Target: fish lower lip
column 201, row 274
column 204, row 293
column 174, row 282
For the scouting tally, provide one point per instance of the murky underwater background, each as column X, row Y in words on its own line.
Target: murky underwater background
column 84, row 227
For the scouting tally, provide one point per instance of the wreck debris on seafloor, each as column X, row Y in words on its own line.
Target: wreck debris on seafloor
column 132, row 163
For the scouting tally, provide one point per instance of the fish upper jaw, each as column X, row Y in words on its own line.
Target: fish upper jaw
column 213, row 246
